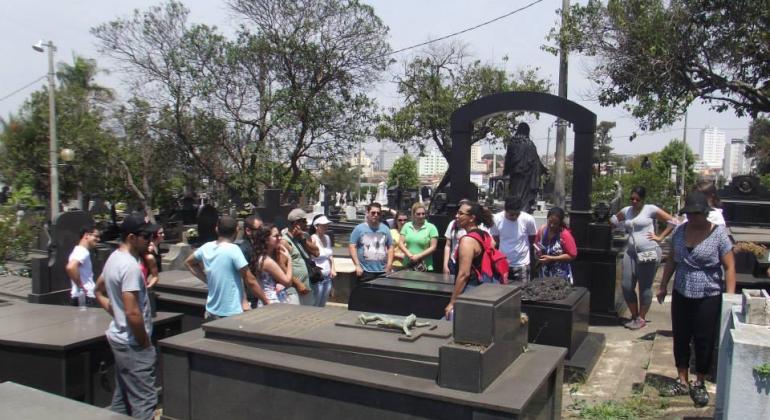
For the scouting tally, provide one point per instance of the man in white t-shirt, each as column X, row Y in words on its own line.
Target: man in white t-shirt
column 514, row 231
column 79, row 268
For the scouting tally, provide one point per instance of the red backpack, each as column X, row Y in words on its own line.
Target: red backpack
column 494, row 264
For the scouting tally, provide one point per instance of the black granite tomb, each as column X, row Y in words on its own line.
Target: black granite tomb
column 22, row 402
column 63, row 350
column 179, row 291
column 321, row 363
column 562, row 323
column 50, row 283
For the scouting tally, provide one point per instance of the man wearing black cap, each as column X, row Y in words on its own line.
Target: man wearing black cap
column 121, row 291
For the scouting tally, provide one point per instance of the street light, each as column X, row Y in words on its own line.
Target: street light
column 53, row 156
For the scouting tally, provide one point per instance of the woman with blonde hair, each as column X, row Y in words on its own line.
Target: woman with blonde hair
column 418, row 240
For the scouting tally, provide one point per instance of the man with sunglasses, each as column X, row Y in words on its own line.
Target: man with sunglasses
column 371, row 246
column 121, row 291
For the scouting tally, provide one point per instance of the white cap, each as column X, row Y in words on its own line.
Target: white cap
column 323, row 220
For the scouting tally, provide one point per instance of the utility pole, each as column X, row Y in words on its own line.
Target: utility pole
column 560, row 151
column 684, row 163
column 548, row 147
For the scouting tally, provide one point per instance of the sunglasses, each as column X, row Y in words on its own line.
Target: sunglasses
column 375, row 213
column 402, row 220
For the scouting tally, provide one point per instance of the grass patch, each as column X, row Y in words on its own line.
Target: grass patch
column 635, row 407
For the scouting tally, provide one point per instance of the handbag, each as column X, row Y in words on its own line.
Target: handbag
column 314, row 272
column 643, row 256
column 420, row 266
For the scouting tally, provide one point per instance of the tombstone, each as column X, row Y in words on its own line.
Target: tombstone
column 743, row 387
column 561, row 323
column 338, row 195
column 350, row 213
column 382, row 193
column 368, row 196
column 208, row 216
column 394, row 198
column 50, row 283
column 188, row 211
column 99, row 207
column 745, row 202
column 475, row 366
column 63, row 350
column 23, row 402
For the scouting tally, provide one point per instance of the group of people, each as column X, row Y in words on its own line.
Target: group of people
column 296, row 266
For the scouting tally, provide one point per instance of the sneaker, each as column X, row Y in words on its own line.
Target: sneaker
column 636, row 324
column 676, row 389
column 629, row 323
column 698, row 394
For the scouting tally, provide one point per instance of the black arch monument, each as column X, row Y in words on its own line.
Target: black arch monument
column 596, row 263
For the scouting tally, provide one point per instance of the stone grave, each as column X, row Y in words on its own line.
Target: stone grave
column 562, row 323
column 208, row 216
column 63, row 350
column 323, row 363
column 50, row 283
column 22, row 402
column 745, row 202
column 743, row 371
column 181, row 292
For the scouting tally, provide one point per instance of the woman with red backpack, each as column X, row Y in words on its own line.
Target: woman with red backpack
column 555, row 247
column 470, row 252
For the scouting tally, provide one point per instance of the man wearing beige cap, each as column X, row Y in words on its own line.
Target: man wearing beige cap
column 302, row 249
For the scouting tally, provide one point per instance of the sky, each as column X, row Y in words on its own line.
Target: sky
column 519, row 37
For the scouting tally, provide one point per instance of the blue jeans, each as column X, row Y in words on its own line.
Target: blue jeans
column 321, row 291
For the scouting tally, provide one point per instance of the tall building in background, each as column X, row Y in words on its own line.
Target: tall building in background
column 432, row 164
column 735, row 162
column 712, row 147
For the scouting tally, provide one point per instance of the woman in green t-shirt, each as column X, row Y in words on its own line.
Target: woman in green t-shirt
column 418, row 240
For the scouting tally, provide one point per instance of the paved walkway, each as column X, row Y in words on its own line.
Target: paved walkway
column 635, row 365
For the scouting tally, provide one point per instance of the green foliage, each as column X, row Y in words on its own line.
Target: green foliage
column 80, row 126
column 634, row 407
column 16, row 238
column 246, row 112
column 758, row 146
column 656, row 57
column 436, row 83
column 340, row 177
column 602, row 145
column 762, row 370
column 404, row 173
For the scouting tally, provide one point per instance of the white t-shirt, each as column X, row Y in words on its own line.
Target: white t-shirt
column 514, row 236
column 323, row 260
column 82, row 256
column 454, row 235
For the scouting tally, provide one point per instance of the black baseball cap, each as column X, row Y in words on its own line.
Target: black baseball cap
column 696, row 202
column 135, row 223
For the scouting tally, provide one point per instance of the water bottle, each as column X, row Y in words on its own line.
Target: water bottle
column 450, row 316
column 82, row 300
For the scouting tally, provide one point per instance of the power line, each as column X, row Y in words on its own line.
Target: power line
column 464, row 30
column 22, row 88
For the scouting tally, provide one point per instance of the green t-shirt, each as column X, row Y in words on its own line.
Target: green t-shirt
column 418, row 241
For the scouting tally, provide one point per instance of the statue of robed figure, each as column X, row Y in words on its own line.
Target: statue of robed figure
column 523, row 168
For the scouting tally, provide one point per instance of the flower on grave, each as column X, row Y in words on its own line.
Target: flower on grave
column 192, row 233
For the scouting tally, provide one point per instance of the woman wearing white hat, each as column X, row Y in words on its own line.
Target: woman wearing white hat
column 324, row 260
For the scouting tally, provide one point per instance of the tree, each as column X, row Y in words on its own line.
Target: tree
column 80, row 120
column 655, row 57
column 602, row 145
column 435, row 84
column 340, row 178
column 758, row 146
column 289, row 87
column 404, row 173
